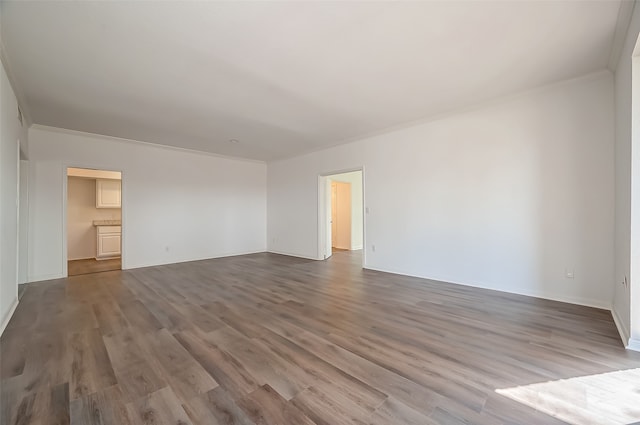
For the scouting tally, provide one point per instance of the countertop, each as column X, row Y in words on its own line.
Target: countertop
column 107, row 222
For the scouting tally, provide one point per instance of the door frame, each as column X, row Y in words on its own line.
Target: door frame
column 324, row 202
column 65, row 177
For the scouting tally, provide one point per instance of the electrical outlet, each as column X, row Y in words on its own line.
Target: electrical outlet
column 568, row 273
column 373, row 248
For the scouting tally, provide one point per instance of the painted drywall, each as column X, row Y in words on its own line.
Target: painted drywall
column 621, row 297
column 509, row 196
column 287, row 76
column 177, row 205
column 11, row 133
column 23, row 222
column 355, row 178
column 81, row 212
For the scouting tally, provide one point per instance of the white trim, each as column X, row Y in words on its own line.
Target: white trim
column 83, row 258
column 138, row 142
column 9, row 315
column 288, row 254
column 552, row 297
column 634, row 344
column 188, row 260
column 622, row 328
column 44, row 277
column 625, row 13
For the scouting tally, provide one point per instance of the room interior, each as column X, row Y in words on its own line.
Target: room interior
column 492, row 279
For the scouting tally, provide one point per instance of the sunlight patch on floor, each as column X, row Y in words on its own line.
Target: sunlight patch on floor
column 607, row 398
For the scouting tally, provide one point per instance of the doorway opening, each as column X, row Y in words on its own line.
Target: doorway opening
column 94, row 221
column 341, row 213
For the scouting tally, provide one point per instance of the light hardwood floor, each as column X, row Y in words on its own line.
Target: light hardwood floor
column 269, row 339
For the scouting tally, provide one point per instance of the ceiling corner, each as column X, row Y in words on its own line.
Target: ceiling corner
column 622, row 26
column 17, row 89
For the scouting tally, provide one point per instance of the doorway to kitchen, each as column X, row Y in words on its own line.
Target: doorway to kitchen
column 94, row 221
column 341, row 213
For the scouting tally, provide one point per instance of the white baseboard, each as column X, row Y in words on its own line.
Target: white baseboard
column 634, row 344
column 185, row 260
column 7, row 318
column 288, row 254
column 43, row 277
column 547, row 296
column 622, row 328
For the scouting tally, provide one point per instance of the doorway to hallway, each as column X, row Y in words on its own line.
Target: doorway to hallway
column 341, row 212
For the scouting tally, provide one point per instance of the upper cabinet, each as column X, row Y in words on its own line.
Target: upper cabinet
column 108, row 193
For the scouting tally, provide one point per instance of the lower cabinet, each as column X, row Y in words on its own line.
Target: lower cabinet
column 109, row 241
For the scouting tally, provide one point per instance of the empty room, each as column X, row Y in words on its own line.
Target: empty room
column 320, row 212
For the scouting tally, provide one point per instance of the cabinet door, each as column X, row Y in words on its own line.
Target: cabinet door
column 108, row 193
column 109, row 245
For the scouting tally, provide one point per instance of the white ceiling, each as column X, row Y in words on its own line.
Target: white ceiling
column 285, row 78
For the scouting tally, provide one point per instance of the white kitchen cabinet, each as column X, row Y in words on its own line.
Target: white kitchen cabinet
column 108, row 193
column 109, row 241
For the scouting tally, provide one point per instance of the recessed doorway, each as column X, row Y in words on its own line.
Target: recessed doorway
column 94, row 221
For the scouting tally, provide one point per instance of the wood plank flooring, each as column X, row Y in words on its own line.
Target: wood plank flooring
column 269, row 339
column 91, row 265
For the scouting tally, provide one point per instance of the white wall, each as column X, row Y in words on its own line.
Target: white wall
column 177, row 205
column 23, row 225
column 507, row 196
column 10, row 132
column 621, row 298
column 355, row 179
column 81, row 212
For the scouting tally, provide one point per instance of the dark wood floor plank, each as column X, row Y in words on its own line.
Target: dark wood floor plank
column 450, row 386
column 257, row 361
column 91, row 368
column 187, row 377
column 327, row 408
column 266, row 407
column 104, row 407
column 270, row 339
column 139, row 380
column 421, row 398
column 139, row 317
column 395, row 412
column 110, row 318
column 131, row 365
column 59, row 407
column 161, row 407
column 216, row 407
column 48, row 361
column 311, row 371
column 13, row 353
column 223, row 367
